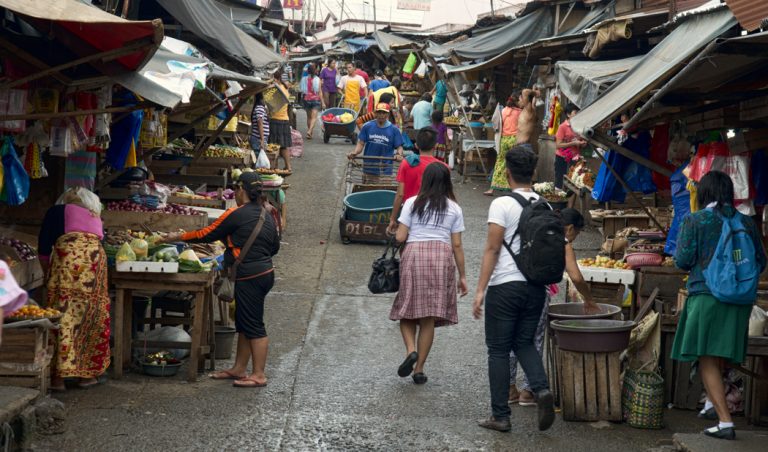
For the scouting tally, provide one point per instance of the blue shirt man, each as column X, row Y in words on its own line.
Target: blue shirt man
column 379, row 138
column 422, row 112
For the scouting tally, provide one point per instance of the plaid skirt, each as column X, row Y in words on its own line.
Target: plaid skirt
column 427, row 284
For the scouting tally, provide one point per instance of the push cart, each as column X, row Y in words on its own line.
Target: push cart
column 370, row 188
column 337, row 129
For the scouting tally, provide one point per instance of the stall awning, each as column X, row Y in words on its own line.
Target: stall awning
column 87, row 31
column 207, row 22
column 386, row 42
column 584, row 81
column 655, row 68
column 726, row 72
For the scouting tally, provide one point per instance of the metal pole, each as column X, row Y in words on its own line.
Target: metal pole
column 493, row 14
column 341, row 17
column 374, row 15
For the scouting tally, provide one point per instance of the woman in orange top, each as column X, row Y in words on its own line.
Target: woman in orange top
column 509, row 116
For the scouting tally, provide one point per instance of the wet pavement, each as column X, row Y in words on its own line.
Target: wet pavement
column 333, row 360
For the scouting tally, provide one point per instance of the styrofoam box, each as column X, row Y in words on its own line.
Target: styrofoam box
column 148, row 267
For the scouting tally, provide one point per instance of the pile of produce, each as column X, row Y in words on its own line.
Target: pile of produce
column 207, row 250
column 222, row 151
column 130, row 206
column 161, row 359
column 646, row 246
column 668, row 262
column 279, row 172
column 603, row 262
column 25, row 252
column 271, row 180
column 548, row 191
column 190, row 263
column 452, row 120
column 32, row 312
column 581, row 175
column 273, row 147
column 344, row 118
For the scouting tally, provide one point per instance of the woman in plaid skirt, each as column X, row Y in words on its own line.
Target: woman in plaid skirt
column 430, row 224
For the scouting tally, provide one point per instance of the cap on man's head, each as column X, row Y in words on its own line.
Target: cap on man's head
column 383, row 106
column 247, row 180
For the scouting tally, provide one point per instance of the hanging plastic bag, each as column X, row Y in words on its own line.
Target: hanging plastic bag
column 410, row 64
column 262, row 161
column 297, row 144
column 125, row 253
column 15, row 178
column 709, row 156
column 451, row 160
column 757, row 320
column 737, row 166
column 421, row 71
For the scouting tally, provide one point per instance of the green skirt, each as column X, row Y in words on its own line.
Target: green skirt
column 499, row 180
column 708, row 327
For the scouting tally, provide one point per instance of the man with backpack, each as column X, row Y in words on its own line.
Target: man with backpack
column 524, row 251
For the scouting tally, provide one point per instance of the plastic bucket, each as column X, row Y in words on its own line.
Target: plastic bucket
column 225, row 339
column 373, row 206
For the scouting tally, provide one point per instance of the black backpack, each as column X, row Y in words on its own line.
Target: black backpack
column 542, row 242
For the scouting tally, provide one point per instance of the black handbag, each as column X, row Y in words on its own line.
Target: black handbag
column 385, row 277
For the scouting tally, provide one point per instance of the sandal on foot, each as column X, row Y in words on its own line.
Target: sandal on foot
column 406, row 367
column 419, row 378
column 88, row 385
column 488, row 193
column 248, row 383
column 225, row 375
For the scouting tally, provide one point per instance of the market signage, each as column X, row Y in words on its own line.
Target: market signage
column 418, row 5
column 293, row 4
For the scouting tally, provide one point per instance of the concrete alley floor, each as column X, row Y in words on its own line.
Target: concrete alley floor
column 333, row 360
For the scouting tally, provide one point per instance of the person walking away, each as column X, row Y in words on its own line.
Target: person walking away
column 513, row 304
column 440, row 93
column 350, row 86
column 526, row 122
column 431, row 224
column 75, row 264
column 379, row 138
column 574, row 223
column 422, row 112
column 259, row 124
column 442, row 145
column 255, row 275
column 279, row 127
column 313, row 100
column 328, row 77
column 378, row 83
column 410, row 174
column 509, row 119
column 713, row 330
column 568, row 145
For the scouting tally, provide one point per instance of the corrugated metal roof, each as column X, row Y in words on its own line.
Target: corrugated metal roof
column 749, row 13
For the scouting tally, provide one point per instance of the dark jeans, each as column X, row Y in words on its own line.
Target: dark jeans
column 512, row 313
column 561, row 169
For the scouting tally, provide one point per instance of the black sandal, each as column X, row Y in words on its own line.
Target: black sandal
column 406, row 367
column 419, row 378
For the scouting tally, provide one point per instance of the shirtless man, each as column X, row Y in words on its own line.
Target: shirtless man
column 526, row 123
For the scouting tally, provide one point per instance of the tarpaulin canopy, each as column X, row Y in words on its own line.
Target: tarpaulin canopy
column 237, row 13
column 539, row 24
column 583, row 81
column 656, row 67
column 386, row 41
column 727, row 70
column 87, row 31
column 207, row 22
column 359, row 45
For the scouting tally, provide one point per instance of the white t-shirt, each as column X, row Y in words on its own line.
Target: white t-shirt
column 505, row 211
column 420, row 231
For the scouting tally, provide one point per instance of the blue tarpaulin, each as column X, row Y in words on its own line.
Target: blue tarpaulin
column 360, row 45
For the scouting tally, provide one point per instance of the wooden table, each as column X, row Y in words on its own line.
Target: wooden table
column 476, row 151
column 200, row 284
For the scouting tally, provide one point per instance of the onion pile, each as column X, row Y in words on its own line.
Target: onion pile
column 25, row 252
column 175, row 209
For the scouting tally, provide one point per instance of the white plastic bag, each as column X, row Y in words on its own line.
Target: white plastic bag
column 757, row 321
column 451, row 160
column 263, row 160
column 82, row 196
column 421, row 71
column 164, row 334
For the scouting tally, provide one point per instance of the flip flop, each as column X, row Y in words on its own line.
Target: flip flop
column 248, row 383
column 488, row 193
column 87, row 385
column 225, row 375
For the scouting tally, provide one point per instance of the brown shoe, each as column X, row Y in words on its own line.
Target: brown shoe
column 492, row 423
column 526, row 399
column 514, row 394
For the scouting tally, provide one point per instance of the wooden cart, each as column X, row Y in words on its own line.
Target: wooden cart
column 358, row 180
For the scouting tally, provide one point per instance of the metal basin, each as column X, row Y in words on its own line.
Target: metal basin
column 592, row 335
column 570, row 311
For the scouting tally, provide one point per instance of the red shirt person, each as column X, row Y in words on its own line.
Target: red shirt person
column 411, row 171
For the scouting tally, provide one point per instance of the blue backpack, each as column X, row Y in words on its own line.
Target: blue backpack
column 732, row 274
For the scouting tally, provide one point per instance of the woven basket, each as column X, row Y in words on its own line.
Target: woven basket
column 642, row 399
column 636, row 260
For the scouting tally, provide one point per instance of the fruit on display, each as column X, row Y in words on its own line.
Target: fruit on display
column 25, row 252
column 452, row 120
column 668, row 262
column 190, row 263
column 273, row 147
column 32, row 312
column 161, row 359
column 603, row 262
column 221, row 151
column 279, row 172
column 175, row 209
column 549, row 192
column 581, row 175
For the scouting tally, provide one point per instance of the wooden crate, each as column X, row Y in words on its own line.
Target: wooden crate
column 589, row 386
column 23, row 345
column 613, row 224
column 36, row 377
column 28, row 274
column 607, row 293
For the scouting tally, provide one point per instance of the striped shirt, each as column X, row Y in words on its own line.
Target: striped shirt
column 259, row 112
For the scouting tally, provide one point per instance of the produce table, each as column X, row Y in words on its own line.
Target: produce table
column 200, row 284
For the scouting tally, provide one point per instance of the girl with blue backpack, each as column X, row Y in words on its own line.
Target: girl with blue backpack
column 722, row 250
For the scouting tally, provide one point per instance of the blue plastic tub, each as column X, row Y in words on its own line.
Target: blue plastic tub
column 373, row 206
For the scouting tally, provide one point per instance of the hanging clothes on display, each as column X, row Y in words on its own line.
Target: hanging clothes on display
column 660, row 155
column 125, row 136
column 81, row 170
column 681, row 202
